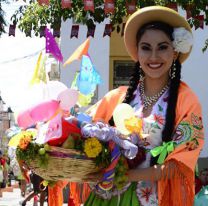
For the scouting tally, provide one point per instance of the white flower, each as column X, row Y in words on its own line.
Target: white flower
column 183, row 40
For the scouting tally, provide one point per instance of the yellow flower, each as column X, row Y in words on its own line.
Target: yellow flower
column 24, row 141
column 133, row 125
column 92, row 147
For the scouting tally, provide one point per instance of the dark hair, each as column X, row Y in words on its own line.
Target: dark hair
column 174, row 83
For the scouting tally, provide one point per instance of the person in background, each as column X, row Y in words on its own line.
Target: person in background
column 201, row 180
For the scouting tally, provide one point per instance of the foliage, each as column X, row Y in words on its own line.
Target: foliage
column 33, row 17
column 2, row 18
column 31, row 153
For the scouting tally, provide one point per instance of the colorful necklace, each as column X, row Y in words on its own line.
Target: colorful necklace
column 150, row 101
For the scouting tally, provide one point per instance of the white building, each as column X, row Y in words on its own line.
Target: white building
column 108, row 54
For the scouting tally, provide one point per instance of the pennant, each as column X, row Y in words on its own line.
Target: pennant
column 12, row 30
column 89, row 5
column 74, row 31
column 56, row 32
column 88, row 77
column 173, row 6
column 130, row 6
column 28, row 33
column 200, row 22
column 39, row 72
column 66, row 4
column 108, row 30
column 91, row 31
column 51, row 46
column 79, row 52
column 43, row 2
column 189, row 11
column 109, row 6
column 123, row 28
column 42, row 31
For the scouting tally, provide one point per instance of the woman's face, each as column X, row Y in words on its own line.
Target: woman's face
column 155, row 54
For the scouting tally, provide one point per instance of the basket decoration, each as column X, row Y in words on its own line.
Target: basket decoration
column 66, row 148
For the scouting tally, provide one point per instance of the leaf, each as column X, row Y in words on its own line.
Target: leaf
column 160, row 108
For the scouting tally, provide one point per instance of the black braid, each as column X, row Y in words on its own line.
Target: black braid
column 133, row 82
column 172, row 100
column 167, row 132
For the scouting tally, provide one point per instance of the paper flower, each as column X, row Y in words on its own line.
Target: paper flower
column 92, row 147
column 183, row 40
column 133, row 125
column 24, row 141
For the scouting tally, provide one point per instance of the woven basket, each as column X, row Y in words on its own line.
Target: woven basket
column 73, row 168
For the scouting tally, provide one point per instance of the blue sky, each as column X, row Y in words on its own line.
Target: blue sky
column 16, row 71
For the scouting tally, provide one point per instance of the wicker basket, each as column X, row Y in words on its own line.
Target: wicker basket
column 73, row 168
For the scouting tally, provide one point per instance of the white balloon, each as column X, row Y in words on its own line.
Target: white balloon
column 68, row 98
column 122, row 112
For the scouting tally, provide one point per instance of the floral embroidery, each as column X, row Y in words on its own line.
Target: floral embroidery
column 146, row 192
column 159, row 119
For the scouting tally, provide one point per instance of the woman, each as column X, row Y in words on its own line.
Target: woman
column 159, row 40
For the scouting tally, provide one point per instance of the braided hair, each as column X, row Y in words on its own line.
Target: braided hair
column 167, row 132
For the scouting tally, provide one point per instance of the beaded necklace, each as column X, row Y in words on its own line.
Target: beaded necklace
column 150, row 101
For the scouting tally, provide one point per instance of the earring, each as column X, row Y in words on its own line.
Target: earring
column 141, row 73
column 172, row 71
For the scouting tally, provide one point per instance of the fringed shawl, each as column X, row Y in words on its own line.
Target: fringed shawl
column 178, row 190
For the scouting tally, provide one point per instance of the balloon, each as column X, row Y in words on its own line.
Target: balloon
column 39, row 113
column 54, row 88
column 14, row 141
column 122, row 112
column 68, row 98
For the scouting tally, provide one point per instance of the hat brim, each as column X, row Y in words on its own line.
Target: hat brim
column 149, row 14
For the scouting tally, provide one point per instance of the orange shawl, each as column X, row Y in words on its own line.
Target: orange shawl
column 180, row 189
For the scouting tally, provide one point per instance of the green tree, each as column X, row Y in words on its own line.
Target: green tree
column 2, row 18
column 34, row 16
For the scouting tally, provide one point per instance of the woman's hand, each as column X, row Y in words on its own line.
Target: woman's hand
column 93, row 177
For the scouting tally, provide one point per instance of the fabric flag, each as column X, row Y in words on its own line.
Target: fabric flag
column 109, row 6
column 173, row 6
column 12, row 30
column 200, row 22
column 91, row 31
column 89, row 5
column 42, row 31
column 51, row 46
column 74, row 31
column 108, row 30
column 43, row 2
column 39, row 72
column 130, row 6
column 88, row 77
column 79, row 52
column 56, row 32
column 66, row 4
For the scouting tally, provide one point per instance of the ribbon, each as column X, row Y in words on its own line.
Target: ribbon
column 163, row 151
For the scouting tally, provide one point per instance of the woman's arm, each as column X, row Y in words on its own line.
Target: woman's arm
column 154, row 173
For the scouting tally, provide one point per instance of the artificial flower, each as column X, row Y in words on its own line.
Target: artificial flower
column 183, row 40
column 92, row 147
column 24, row 141
column 133, row 125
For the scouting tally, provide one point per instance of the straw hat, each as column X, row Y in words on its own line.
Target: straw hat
column 149, row 14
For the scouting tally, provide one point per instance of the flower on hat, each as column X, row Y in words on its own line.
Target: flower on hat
column 183, row 40
column 92, row 147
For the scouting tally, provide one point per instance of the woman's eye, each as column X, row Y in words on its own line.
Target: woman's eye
column 146, row 48
column 163, row 47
